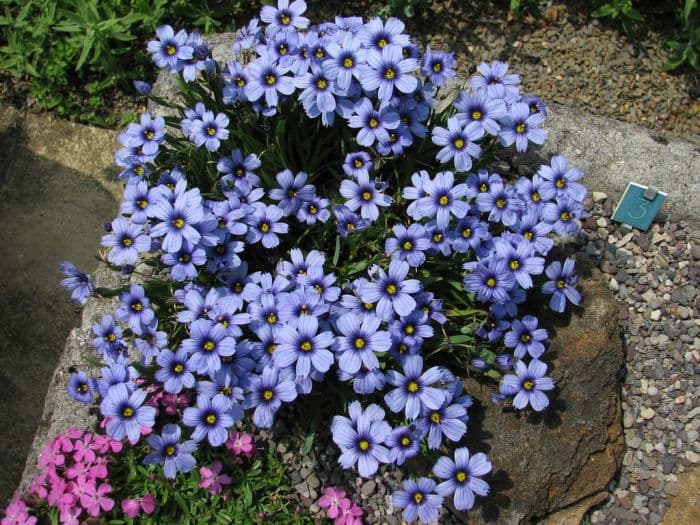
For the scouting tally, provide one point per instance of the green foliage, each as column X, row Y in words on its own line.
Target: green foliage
column 621, row 10
column 72, row 54
column 686, row 42
column 260, row 487
column 515, row 6
column 402, row 8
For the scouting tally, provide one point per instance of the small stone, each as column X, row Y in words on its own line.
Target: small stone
column 648, row 296
column 671, row 489
column 634, row 442
column 628, row 419
column 313, row 481
column 655, row 315
column 691, row 456
column 627, row 238
column 659, row 423
column 602, row 222
column 647, row 413
column 614, row 286
column 368, row 488
column 599, row 196
column 668, row 463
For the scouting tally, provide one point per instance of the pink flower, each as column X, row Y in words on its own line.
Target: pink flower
column 212, row 480
column 334, row 501
column 105, row 444
column 75, row 433
column 71, row 515
column 95, row 499
column 17, row 514
column 147, row 504
column 241, row 444
column 349, row 515
column 82, row 449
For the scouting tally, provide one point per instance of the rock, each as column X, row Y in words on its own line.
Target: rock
column 572, row 450
column 60, row 410
column 685, row 507
column 599, row 196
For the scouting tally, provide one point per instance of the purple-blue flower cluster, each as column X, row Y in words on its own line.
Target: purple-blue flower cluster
column 285, row 271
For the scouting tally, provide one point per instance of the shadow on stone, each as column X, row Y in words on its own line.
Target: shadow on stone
column 48, row 213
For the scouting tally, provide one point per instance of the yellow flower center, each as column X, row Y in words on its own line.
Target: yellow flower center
column 514, row 264
column 368, row 306
column 321, row 83
column 437, row 237
column 137, row 307
column 528, row 235
column 239, row 81
column 444, row 200
column 418, row 498
column 226, row 390
column 366, row 196
column 348, row 63
column 306, row 346
column 141, row 203
column 179, row 223
column 407, row 245
column 520, row 128
column 373, row 122
column 528, row 385
column 313, row 210
column 435, row 417
column 149, row 135
column 178, row 368
column 267, row 395
column 458, row 143
column 264, row 227
column 405, row 441
column 271, row 318
column 412, row 387
column 382, row 42
column 128, row 412
column 285, row 19
column 409, row 329
column 363, row 445
column 391, row 289
column 211, row 131
column 127, row 242
column 560, row 183
column 483, row 188
column 282, row 49
column 491, row 282
column 476, row 115
column 320, row 53
column 210, row 419
column 565, row 216
column 271, row 348
column 208, row 346
column 111, row 338
column 170, row 49
column 501, row 203
column 359, row 343
column 270, row 80
column 170, row 450
column 525, row 338
column 561, row 283
column 466, row 233
column 389, row 73
column 437, row 67
column 461, row 476
column 83, row 388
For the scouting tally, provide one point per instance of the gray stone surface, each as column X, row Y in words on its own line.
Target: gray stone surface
column 54, row 197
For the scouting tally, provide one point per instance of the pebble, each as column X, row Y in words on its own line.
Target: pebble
column 647, row 413
column 599, row 196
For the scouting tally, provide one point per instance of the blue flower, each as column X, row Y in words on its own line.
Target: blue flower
column 147, row 135
column 481, row 109
column 293, row 191
column 200, row 57
column 408, row 245
column 358, row 342
column 501, row 202
column 314, row 210
column 418, row 500
column 387, row 70
column 561, row 285
column 208, row 343
column 563, row 215
column 267, row 393
column 209, row 131
column 442, row 199
column 438, row 66
column 141, row 87
column 364, row 195
column 175, row 456
column 528, row 385
column 344, row 58
column 459, row 143
column 411, row 331
column 284, row 16
column 495, row 81
column 184, row 262
column 266, row 79
column 491, row 281
column 391, row 291
column 374, row 124
column 175, row 370
column 361, row 442
column 525, row 337
column 560, row 181
column 170, row 49
column 357, row 163
column 126, row 241
column 349, row 222
column 135, row 308
column 78, row 283
column 413, row 390
column 235, row 79
column 109, row 335
column 520, row 127
column 463, row 477
column 264, row 225
column 520, row 260
column 376, row 35
column 126, row 413
column 81, row 388
column 450, row 420
column 305, row 347
column 179, row 219
column 403, row 443
column 151, row 342
column 210, row 419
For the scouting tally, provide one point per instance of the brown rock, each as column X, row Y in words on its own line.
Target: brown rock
column 543, row 463
column 685, row 507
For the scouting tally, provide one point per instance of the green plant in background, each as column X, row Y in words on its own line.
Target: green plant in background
column 72, row 54
column 402, row 8
column 686, row 42
column 532, row 6
column 621, row 10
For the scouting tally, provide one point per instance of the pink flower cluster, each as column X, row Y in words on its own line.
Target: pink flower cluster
column 74, row 475
column 340, row 509
column 17, row 514
column 241, row 445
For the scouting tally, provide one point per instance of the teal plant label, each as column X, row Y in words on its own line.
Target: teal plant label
column 639, row 205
